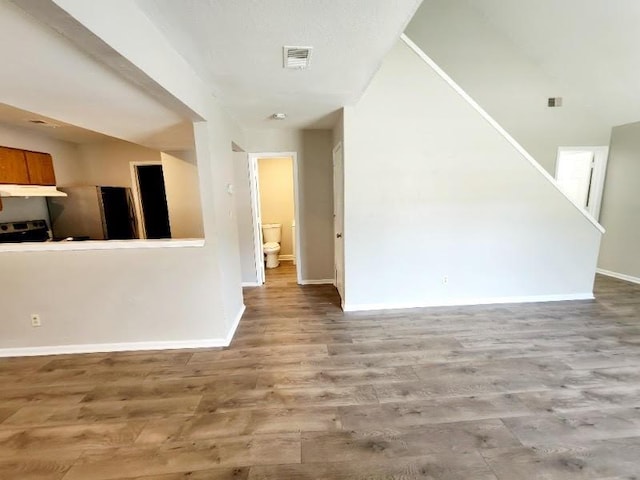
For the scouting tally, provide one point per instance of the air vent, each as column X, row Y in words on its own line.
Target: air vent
column 554, row 102
column 297, row 58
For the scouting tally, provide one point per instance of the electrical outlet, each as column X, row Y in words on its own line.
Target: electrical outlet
column 35, row 320
column 445, row 280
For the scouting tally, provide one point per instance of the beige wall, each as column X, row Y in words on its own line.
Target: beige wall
column 276, row 197
column 620, row 214
column 183, row 194
column 108, row 163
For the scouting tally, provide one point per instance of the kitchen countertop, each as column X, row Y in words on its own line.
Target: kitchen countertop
column 100, row 245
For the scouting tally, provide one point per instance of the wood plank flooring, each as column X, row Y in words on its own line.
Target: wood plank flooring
column 504, row 392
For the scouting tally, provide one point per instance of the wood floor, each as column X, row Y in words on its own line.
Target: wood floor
column 509, row 392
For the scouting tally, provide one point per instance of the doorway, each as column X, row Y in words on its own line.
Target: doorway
column 289, row 224
column 151, row 198
column 580, row 173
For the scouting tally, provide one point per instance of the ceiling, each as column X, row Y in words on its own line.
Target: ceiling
column 236, row 46
column 588, row 46
column 84, row 93
column 15, row 117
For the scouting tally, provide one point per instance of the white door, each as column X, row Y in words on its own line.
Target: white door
column 338, row 217
column 574, row 173
column 257, row 227
column 580, row 173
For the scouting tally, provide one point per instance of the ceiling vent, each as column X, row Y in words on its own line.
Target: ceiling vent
column 554, row 102
column 297, row 58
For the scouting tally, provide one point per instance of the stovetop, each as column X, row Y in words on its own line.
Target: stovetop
column 24, row 231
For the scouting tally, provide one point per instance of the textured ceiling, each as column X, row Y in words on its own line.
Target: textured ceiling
column 236, row 46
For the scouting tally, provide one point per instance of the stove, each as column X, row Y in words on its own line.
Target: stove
column 29, row 231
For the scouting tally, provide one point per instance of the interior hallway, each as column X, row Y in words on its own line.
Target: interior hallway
column 307, row 392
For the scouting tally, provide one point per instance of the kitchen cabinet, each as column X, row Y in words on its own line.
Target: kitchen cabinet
column 13, row 166
column 40, row 168
column 23, row 167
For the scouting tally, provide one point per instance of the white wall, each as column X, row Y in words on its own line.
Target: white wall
column 620, row 214
column 315, row 195
column 66, row 161
column 134, row 298
column 276, row 197
column 338, row 129
column 244, row 216
column 511, row 87
column 433, row 191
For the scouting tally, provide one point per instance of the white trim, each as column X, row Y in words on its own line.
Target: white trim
column 254, row 184
column 251, row 284
column 324, row 281
column 124, row 347
column 336, row 260
column 101, row 245
column 286, row 258
column 468, row 301
column 619, row 276
column 258, row 255
column 495, row 125
column 111, row 347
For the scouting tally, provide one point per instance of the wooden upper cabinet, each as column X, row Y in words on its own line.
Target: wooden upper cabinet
column 40, row 168
column 13, row 166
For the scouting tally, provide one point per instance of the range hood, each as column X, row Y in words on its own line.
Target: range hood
column 11, row 190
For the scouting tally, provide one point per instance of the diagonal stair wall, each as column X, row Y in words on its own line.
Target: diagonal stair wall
column 443, row 207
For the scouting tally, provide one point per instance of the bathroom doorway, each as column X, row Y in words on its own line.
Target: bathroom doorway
column 274, row 202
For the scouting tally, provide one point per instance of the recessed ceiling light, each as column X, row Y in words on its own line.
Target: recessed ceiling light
column 279, row 116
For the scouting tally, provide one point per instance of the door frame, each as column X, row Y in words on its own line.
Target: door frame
column 254, row 186
column 336, row 259
column 135, row 188
column 600, row 159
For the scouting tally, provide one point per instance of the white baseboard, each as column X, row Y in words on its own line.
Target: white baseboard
column 619, row 276
column 325, row 281
column 124, row 347
column 251, row 284
column 285, row 257
column 467, row 302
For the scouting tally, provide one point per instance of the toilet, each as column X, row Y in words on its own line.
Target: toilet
column 271, row 235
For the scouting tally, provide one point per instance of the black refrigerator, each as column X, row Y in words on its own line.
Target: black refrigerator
column 94, row 213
